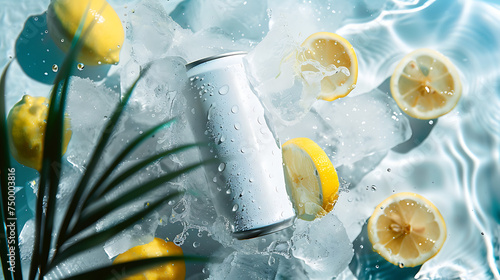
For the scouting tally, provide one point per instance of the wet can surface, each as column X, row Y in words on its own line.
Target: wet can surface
column 248, row 184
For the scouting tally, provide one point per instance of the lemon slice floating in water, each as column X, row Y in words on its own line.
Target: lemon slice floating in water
column 426, row 84
column 26, row 124
column 312, row 181
column 332, row 58
column 156, row 248
column 103, row 41
column 406, row 229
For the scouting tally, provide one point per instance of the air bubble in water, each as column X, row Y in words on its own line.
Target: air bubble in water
column 196, row 244
column 401, row 265
column 55, row 68
column 80, row 66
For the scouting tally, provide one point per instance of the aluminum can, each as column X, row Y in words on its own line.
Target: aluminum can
column 248, row 185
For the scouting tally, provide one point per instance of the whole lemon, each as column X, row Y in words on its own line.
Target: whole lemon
column 104, row 39
column 156, row 248
column 26, row 125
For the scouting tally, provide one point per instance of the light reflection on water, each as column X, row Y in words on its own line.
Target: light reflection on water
column 457, row 165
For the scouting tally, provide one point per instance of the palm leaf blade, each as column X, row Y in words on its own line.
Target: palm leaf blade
column 100, row 237
column 92, row 216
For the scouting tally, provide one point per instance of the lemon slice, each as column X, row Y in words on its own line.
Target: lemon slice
column 330, row 58
column 103, row 41
column 426, row 84
column 26, row 126
column 312, row 181
column 156, row 248
column 406, row 229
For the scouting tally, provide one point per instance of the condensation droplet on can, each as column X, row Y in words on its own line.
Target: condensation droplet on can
column 223, row 90
column 221, row 167
column 235, row 207
column 234, row 109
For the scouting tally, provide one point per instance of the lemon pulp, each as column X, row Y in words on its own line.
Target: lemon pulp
column 156, row 248
column 426, row 84
column 334, row 59
column 312, row 181
column 103, row 41
column 406, row 229
column 26, row 124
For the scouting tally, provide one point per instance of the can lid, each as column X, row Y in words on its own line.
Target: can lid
column 206, row 59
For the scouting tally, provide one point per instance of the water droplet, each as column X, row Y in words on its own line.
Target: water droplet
column 55, row 68
column 271, row 260
column 235, row 109
column 222, row 139
column 196, row 244
column 228, row 191
column 401, row 265
column 261, row 120
column 221, row 167
column 235, row 207
column 46, row 74
column 237, row 126
column 223, row 90
column 374, row 188
column 431, row 122
column 482, row 233
column 388, row 170
column 377, row 266
column 80, row 66
column 214, row 179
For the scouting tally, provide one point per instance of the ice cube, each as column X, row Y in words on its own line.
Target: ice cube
column 240, row 18
column 150, row 33
column 351, row 128
column 239, row 265
column 323, row 245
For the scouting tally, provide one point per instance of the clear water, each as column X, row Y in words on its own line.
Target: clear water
column 454, row 161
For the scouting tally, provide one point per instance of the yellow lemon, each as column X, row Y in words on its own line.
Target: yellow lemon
column 406, row 229
column 26, row 125
column 312, row 181
column 426, row 84
column 156, row 248
column 103, row 41
column 332, row 57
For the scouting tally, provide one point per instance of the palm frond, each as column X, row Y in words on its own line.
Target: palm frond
column 132, row 170
column 78, row 197
column 119, row 159
column 98, row 238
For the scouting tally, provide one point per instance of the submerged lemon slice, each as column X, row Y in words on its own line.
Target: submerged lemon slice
column 331, row 57
column 426, row 84
column 406, row 229
column 103, row 41
column 156, row 248
column 312, row 181
column 26, row 124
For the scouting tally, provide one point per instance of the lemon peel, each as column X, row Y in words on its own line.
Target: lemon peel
column 26, row 125
column 156, row 248
column 332, row 58
column 103, row 41
column 312, row 181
